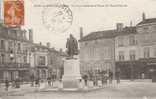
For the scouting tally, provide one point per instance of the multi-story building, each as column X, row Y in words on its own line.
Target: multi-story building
column 147, row 44
column 126, row 51
column 56, row 61
column 97, row 52
column 45, row 61
column 39, row 60
column 14, row 53
column 134, row 49
column 21, row 58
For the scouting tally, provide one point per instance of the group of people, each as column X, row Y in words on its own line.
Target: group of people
column 50, row 80
column 14, row 83
column 104, row 77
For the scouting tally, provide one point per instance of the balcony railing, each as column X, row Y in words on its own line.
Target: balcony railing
column 42, row 66
column 14, row 65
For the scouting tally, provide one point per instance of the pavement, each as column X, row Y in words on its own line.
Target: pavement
column 137, row 89
column 23, row 89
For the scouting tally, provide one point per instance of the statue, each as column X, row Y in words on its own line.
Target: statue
column 72, row 46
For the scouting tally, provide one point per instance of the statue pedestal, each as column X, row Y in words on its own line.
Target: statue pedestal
column 72, row 76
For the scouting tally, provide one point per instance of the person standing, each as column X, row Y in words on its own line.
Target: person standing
column 110, row 77
column 49, row 81
column 32, row 80
column 6, row 84
column 118, row 76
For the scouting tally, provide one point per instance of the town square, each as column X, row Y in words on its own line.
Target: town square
column 64, row 49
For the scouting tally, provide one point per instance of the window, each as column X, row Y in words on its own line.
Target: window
column 154, row 52
column 106, row 53
column 10, row 47
column 25, row 59
column 120, row 41
column 2, row 58
column 19, row 46
column 41, row 60
column 132, row 40
column 2, row 44
column 132, row 55
column 146, row 52
column 121, row 56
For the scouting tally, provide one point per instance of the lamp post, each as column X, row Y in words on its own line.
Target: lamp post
column 11, row 58
column 11, row 55
column 132, row 72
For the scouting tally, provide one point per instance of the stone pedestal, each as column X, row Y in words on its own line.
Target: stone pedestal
column 71, row 77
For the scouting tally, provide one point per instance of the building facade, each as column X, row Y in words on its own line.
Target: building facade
column 21, row 58
column 45, row 61
column 14, row 53
column 147, row 44
column 56, row 61
column 97, row 53
column 39, row 61
column 127, row 52
column 134, row 49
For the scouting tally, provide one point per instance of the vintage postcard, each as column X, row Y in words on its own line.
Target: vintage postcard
column 77, row 49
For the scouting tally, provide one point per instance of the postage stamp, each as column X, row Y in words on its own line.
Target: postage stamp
column 57, row 18
column 13, row 13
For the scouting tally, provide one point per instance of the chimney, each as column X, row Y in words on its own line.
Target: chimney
column 131, row 24
column 48, row 44
column 31, row 35
column 61, row 50
column 24, row 34
column 81, row 32
column 40, row 43
column 53, row 48
column 143, row 16
column 119, row 26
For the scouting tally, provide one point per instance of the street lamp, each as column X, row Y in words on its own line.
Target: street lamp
column 11, row 55
column 11, row 58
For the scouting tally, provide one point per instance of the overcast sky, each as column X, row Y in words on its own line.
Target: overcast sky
column 90, row 18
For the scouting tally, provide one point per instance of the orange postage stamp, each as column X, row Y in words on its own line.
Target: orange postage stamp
column 14, row 13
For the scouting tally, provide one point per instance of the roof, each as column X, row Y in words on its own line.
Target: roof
column 147, row 21
column 109, row 34
column 4, row 34
column 44, row 47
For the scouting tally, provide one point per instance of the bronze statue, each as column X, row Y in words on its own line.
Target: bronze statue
column 72, row 46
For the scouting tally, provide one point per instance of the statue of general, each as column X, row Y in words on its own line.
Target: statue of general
column 72, row 46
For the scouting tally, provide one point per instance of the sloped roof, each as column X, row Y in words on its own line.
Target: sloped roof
column 108, row 34
column 147, row 21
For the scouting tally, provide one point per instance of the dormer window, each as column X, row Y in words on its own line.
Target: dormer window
column 132, row 40
column 120, row 41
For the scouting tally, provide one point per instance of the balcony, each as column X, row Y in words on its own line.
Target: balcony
column 42, row 66
column 14, row 65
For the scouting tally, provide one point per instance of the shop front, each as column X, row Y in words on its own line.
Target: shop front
column 140, row 69
column 150, row 66
column 130, row 69
column 14, row 71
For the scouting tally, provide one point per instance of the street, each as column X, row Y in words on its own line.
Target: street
column 126, row 89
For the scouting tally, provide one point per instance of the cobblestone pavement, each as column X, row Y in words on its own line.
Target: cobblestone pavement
column 124, row 90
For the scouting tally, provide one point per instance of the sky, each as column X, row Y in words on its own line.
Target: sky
column 90, row 18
